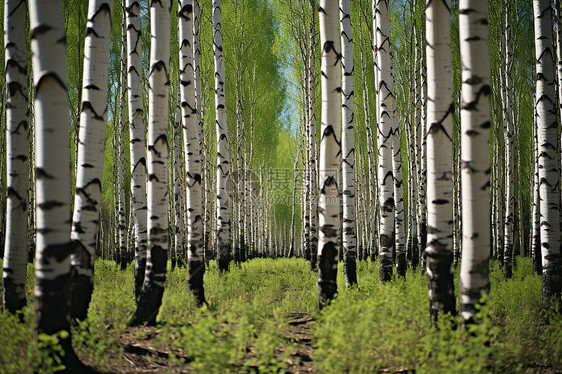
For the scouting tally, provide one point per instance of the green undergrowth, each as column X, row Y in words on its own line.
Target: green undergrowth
column 387, row 326
column 368, row 328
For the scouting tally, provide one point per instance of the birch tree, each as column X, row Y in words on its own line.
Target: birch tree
column 349, row 233
column 157, row 197
column 422, row 185
column 192, row 147
column 136, row 132
column 549, row 157
column 122, row 222
column 385, row 113
column 509, row 141
column 313, row 161
column 91, row 145
column 440, row 108
column 179, row 204
column 536, row 225
column 224, row 238
column 475, row 151
column 17, row 155
column 52, row 149
column 330, row 152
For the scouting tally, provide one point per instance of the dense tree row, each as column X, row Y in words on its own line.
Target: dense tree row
column 442, row 146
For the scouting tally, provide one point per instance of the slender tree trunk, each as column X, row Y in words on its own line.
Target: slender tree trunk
column 52, row 147
column 313, row 163
column 509, row 152
column 536, row 214
column 224, row 238
column 420, row 161
column 199, row 106
column 121, row 164
column 192, row 149
column 349, row 232
column 291, row 251
column 330, row 153
column 155, row 277
column 136, row 131
column 306, row 196
column 422, row 188
column 17, row 155
column 179, row 204
column 372, row 179
column 240, row 187
column 400, row 233
column 385, row 112
column 114, row 248
column 559, row 52
column 91, row 145
column 2, row 179
column 475, row 130
column 549, row 157
column 440, row 109
column 501, row 199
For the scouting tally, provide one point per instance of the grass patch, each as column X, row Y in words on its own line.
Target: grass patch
column 366, row 329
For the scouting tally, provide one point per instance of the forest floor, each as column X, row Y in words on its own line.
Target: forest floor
column 150, row 355
column 262, row 318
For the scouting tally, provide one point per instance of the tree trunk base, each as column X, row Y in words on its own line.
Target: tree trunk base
column 80, row 295
column 223, row 260
column 140, row 269
column 350, row 270
column 401, row 264
column 13, row 300
column 441, row 283
column 327, row 274
column 148, row 305
column 195, row 281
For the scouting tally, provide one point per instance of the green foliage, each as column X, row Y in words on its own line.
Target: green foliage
column 111, row 306
column 376, row 326
column 14, row 339
column 246, row 309
column 387, row 326
column 48, row 352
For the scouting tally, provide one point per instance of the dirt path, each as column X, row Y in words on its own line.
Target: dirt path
column 298, row 331
column 139, row 351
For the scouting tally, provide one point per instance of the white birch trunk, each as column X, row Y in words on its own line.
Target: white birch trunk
column 558, row 5
column 549, row 158
column 536, row 214
column 224, row 238
column 349, row 238
column 420, row 162
column 400, row 231
column 313, row 162
column 52, row 149
column 179, row 205
column 91, row 146
column 157, row 192
column 121, row 165
column 330, row 153
column 17, row 156
column 385, row 112
column 306, row 200
column 372, row 186
column 137, row 146
column 192, row 131
column 440, row 109
column 241, row 247
column 291, row 251
column 422, row 186
column 509, row 141
column 475, row 151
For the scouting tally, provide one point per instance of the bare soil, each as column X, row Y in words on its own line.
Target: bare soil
column 138, row 350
